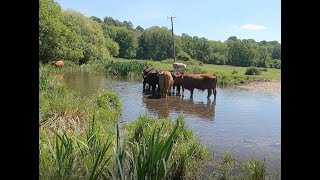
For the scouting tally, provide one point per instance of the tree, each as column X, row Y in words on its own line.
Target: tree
column 127, row 40
column 139, row 28
column 95, row 19
column 263, row 56
column 187, row 44
column 93, row 41
column 241, row 54
column 155, row 43
column 232, row 39
column 128, row 25
column 56, row 41
column 276, row 51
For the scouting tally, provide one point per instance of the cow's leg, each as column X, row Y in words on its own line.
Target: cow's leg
column 215, row 93
column 178, row 89
column 158, row 89
column 153, row 88
column 209, row 93
column 191, row 93
column 144, row 86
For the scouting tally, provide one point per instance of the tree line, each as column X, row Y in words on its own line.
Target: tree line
column 70, row 35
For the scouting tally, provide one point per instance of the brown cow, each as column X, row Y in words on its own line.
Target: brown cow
column 165, row 83
column 58, row 63
column 199, row 81
column 176, row 83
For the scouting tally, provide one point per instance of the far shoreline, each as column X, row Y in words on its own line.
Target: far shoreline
column 273, row 87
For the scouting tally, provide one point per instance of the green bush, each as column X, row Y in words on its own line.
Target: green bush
column 196, row 70
column 124, row 67
column 252, row 71
column 183, row 56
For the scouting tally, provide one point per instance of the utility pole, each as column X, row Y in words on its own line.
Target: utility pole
column 174, row 51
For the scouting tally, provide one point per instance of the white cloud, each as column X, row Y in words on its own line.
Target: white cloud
column 252, row 27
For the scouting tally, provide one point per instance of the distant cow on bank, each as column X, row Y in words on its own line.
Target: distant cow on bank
column 165, row 83
column 58, row 63
column 199, row 81
column 177, row 65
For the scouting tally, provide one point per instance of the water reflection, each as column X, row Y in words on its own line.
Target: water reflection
column 83, row 82
column 163, row 107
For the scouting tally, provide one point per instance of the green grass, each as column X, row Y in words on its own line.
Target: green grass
column 226, row 75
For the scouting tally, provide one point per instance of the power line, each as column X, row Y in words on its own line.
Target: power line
column 174, row 51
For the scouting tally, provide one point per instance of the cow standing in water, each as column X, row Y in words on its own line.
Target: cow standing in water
column 176, row 74
column 152, row 78
column 165, row 83
column 199, row 81
column 58, row 63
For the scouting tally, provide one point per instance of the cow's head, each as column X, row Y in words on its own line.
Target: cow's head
column 53, row 62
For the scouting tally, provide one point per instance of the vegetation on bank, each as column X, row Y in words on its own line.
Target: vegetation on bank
column 228, row 75
column 81, row 139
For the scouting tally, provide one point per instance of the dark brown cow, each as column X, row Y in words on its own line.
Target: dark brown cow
column 152, row 78
column 176, row 74
column 58, row 63
column 147, row 70
column 199, row 81
column 165, row 82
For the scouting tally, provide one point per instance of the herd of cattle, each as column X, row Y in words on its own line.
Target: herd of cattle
column 162, row 81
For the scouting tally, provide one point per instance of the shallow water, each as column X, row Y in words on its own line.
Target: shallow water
column 242, row 121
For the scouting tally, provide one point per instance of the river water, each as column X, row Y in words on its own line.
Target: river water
column 244, row 122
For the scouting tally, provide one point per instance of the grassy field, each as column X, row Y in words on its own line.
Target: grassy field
column 228, row 75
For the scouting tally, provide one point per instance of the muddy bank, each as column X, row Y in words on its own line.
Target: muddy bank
column 273, row 87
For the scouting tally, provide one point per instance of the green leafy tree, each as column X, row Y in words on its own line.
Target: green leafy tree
column 276, row 51
column 187, row 44
column 127, row 40
column 155, row 43
column 241, row 54
column 263, row 56
column 93, row 41
column 139, row 28
column 98, row 20
column 56, row 41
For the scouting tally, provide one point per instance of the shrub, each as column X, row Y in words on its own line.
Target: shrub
column 254, row 169
column 234, row 72
column 252, row 71
column 183, row 56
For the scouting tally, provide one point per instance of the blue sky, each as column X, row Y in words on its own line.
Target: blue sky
column 212, row 19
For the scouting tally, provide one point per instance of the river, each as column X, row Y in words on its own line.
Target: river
column 242, row 121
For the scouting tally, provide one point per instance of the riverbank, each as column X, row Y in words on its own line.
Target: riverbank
column 227, row 75
column 273, row 87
